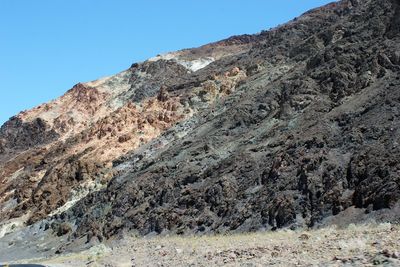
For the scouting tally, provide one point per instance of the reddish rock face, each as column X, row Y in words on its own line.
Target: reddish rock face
column 272, row 130
column 84, row 127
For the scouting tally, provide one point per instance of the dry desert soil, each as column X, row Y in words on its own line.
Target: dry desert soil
column 361, row 245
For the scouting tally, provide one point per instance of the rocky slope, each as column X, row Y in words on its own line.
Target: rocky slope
column 281, row 129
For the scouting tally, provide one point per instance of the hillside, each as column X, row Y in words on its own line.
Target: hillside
column 294, row 127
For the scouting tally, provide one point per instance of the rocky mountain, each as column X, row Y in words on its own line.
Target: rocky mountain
column 293, row 127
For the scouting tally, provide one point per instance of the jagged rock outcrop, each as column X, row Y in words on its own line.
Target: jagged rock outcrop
column 18, row 135
column 280, row 129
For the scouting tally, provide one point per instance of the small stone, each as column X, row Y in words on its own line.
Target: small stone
column 124, row 138
column 376, row 243
column 232, row 255
column 386, row 253
column 163, row 253
column 304, row 237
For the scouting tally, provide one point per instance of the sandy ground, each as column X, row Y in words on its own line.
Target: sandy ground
column 366, row 245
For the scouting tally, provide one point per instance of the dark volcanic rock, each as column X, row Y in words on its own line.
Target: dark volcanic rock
column 16, row 134
column 311, row 132
column 160, row 73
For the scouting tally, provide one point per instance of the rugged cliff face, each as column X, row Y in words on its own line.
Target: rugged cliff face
column 280, row 129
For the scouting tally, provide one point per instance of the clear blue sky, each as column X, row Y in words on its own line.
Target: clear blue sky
column 47, row 46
